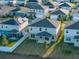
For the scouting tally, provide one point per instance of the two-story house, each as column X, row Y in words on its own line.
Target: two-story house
column 8, row 2
column 12, row 28
column 67, row 1
column 71, row 33
column 44, row 30
column 36, row 9
column 32, row 1
column 66, row 5
column 59, row 12
column 20, row 2
column 50, row 6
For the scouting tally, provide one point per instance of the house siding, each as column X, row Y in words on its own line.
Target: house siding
column 8, row 27
column 71, row 33
column 36, row 30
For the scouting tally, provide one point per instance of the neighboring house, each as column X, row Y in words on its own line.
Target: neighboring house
column 50, row 6
column 18, row 11
column 44, row 30
column 66, row 5
column 77, row 7
column 36, row 9
column 75, row 16
column 59, row 12
column 62, row 1
column 13, row 12
column 8, row 2
column 12, row 28
column 32, row 1
column 71, row 33
column 67, row 1
column 38, row 1
column 45, row 1
column 20, row 2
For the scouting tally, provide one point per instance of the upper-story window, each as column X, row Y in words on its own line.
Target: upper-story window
column 31, row 29
column 52, row 37
column 77, row 40
column 6, row 26
column 1, row 26
column 32, row 35
column 40, row 29
column 77, row 32
column 67, row 31
column 45, row 29
column 40, row 36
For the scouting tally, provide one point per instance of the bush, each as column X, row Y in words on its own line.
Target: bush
column 66, row 51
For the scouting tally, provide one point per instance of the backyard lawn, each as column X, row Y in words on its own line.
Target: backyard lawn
column 66, row 51
column 30, row 47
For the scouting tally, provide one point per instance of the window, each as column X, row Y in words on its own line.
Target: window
column 31, row 29
column 68, row 39
column 32, row 35
column 6, row 26
column 77, row 40
column 52, row 37
column 66, row 31
column 40, row 36
column 40, row 29
column 45, row 29
column 77, row 32
column 2, row 26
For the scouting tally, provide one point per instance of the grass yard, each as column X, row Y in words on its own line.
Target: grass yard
column 30, row 47
column 11, row 44
column 66, row 51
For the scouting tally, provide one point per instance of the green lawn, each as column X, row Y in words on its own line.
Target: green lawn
column 66, row 51
column 30, row 47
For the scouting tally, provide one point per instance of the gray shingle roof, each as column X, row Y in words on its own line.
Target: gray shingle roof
column 10, row 22
column 49, row 4
column 73, row 26
column 43, row 23
column 58, row 12
column 65, row 5
column 13, row 31
column 44, row 33
column 34, row 6
column 32, row 1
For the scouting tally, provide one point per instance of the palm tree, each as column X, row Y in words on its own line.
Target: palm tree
column 61, row 18
column 70, row 15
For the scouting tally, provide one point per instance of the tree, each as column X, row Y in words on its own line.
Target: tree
column 4, row 40
column 46, row 42
column 70, row 15
column 0, row 40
